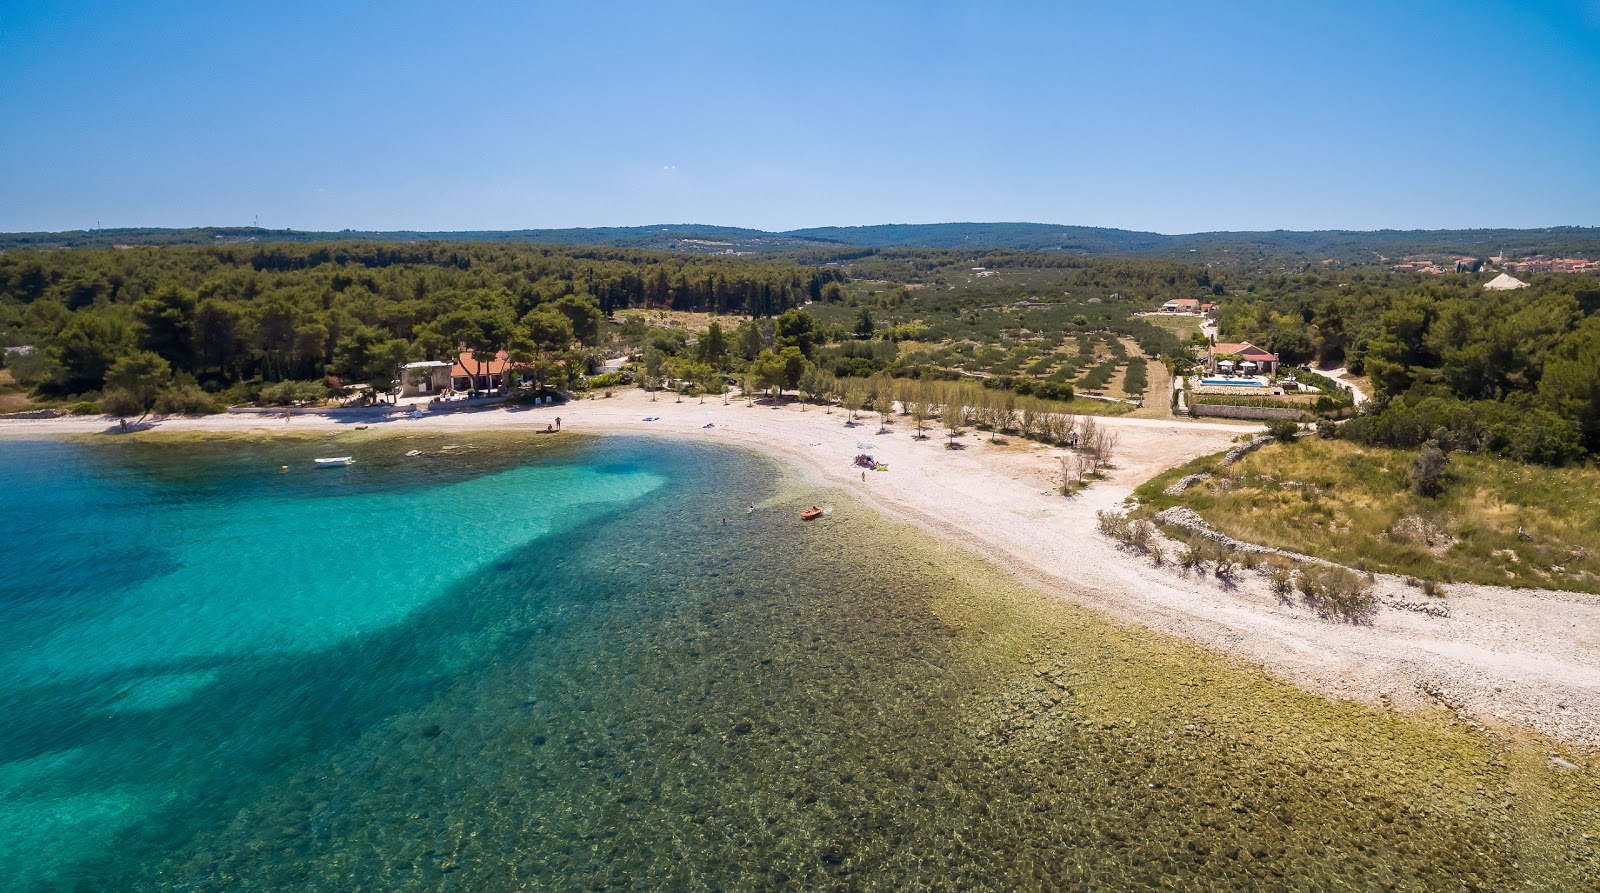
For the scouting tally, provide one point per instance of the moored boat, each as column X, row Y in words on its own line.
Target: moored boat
column 336, row 460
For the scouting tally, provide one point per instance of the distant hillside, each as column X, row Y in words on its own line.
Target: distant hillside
column 675, row 237
column 1344, row 246
column 1279, row 249
column 1017, row 236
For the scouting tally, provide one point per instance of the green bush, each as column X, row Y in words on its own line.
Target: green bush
column 1428, row 470
column 284, row 393
column 1097, row 377
column 1338, row 592
column 185, row 399
column 86, row 407
column 1283, row 430
column 1524, row 433
column 1280, row 578
column 1134, row 382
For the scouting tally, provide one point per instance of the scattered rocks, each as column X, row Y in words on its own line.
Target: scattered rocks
column 1242, row 450
column 1239, row 452
column 1422, row 532
column 1181, row 484
column 1432, row 608
column 1190, row 520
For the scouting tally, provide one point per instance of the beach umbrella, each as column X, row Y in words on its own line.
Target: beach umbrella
column 1247, row 364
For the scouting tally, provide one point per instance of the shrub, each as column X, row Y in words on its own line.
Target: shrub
column 284, row 393
column 1112, row 524
column 1338, row 592
column 1326, row 429
column 1283, row 430
column 1431, row 588
column 1427, row 470
column 1280, row 578
column 185, row 399
column 122, row 402
column 1224, row 567
column 86, row 407
column 1134, row 380
column 1139, row 535
column 1524, row 433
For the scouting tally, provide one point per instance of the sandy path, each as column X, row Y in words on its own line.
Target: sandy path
column 1525, row 657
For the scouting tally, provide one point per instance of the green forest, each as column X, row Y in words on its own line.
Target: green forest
column 191, row 329
column 174, row 325
column 1256, row 252
column 1510, row 372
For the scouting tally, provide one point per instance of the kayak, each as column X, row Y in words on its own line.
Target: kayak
column 811, row 513
column 336, row 460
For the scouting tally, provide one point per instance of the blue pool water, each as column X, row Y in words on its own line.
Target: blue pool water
column 1235, row 382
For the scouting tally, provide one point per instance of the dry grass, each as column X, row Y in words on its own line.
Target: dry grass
column 13, row 397
column 681, row 319
column 1182, row 326
column 1354, row 505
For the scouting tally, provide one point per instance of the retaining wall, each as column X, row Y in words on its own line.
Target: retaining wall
column 1249, row 412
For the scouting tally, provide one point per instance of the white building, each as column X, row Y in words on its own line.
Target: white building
column 1505, row 282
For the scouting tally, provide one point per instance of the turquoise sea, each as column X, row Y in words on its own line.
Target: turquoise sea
column 522, row 663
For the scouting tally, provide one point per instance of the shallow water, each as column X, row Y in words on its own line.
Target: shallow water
column 517, row 664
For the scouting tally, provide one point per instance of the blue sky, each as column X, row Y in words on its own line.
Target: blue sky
column 1166, row 116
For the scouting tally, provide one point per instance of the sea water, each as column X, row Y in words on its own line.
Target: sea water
column 521, row 663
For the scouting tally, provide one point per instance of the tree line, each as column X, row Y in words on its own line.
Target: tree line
column 236, row 318
column 1512, row 372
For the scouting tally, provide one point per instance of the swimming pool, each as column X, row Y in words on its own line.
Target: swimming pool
column 1235, row 382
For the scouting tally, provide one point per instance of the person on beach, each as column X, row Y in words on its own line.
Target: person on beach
column 286, row 414
column 558, row 423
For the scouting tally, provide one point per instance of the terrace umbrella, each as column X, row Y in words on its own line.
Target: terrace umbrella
column 1224, row 364
column 1247, row 364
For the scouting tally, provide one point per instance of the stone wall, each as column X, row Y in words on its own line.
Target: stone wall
column 1250, row 412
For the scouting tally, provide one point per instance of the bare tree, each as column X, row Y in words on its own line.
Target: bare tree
column 1071, row 472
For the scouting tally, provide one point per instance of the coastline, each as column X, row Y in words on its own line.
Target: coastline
column 1514, row 658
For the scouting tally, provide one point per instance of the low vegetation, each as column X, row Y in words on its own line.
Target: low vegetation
column 1487, row 520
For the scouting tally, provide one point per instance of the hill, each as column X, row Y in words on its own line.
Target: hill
column 1267, row 251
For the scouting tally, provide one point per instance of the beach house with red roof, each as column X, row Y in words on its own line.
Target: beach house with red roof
column 1181, row 305
column 1241, row 357
column 470, row 375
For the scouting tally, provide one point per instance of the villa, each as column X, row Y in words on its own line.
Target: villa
column 1181, row 305
column 1241, row 357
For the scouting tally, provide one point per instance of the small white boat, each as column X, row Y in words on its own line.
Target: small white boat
column 336, row 460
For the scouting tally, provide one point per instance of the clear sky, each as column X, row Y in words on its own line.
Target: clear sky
column 1166, row 116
